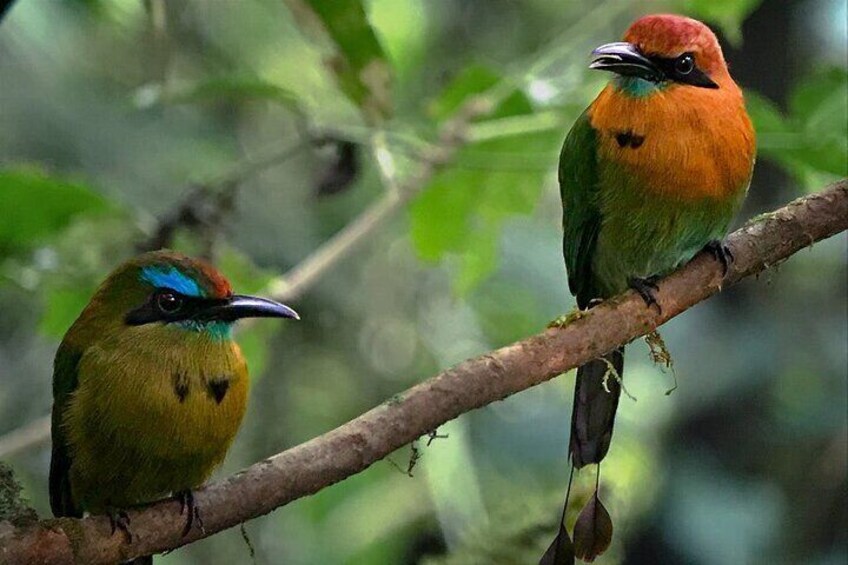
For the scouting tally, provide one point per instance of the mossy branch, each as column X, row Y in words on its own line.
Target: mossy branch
column 353, row 447
column 13, row 508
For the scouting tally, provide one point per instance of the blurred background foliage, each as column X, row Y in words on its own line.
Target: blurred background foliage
column 259, row 128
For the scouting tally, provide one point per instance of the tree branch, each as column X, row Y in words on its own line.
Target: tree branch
column 351, row 448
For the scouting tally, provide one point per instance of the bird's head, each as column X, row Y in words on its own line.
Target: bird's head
column 664, row 50
column 164, row 288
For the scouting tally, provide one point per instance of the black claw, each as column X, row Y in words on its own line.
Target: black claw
column 189, row 506
column 721, row 253
column 646, row 288
column 120, row 520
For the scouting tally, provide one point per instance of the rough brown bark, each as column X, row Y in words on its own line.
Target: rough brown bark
column 325, row 460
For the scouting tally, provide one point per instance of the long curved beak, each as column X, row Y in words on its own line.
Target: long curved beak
column 625, row 59
column 241, row 306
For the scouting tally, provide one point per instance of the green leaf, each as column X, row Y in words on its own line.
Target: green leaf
column 728, row 15
column 765, row 114
column 810, row 141
column 818, row 108
column 440, row 216
column 360, row 65
column 465, row 206
column 823, row 92
column 37, row 206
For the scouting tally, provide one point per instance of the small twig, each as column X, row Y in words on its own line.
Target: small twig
column 613, row 372
column 395, row 465
column 661, row 356
column 415, row 452
column 414, row 456
column 433, row 435
column 248, row 543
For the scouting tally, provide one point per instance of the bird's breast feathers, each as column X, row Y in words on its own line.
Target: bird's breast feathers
column 681, row 143
column 147, row 403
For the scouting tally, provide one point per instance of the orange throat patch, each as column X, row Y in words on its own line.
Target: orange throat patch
column 681, row 142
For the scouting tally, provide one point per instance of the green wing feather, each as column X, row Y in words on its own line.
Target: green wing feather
column 65, row 381
column 581, row 218
column 595, row 398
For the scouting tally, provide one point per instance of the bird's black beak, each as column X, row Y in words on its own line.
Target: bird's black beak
column 239, row 306
column 625, row 59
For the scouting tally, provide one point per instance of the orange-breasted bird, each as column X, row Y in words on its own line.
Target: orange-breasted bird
column 650, row 174
column 149, row 387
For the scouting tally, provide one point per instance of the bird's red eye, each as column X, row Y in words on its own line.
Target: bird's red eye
column 168, row 302
column 684, row 64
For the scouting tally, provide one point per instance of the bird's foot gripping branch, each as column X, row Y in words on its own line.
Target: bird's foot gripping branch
column 352, row 447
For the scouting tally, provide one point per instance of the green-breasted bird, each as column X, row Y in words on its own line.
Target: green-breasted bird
column 149, row 387
column 650, row 174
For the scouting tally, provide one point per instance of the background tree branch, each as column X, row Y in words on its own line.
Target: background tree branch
column 307, row 468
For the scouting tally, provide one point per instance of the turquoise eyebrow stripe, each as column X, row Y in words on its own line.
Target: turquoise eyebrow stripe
column 171, row 278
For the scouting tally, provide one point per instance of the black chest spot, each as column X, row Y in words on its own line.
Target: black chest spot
column 629, row 139
column 217, row 388
column 181, row 385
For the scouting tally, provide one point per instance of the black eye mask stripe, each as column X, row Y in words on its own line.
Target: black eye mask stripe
column 695, row 77
column 192, row 309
